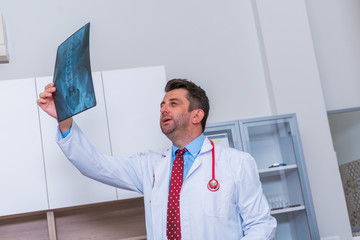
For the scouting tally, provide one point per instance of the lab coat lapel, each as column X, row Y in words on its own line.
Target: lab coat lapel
column 205, row 148
column 159, row 194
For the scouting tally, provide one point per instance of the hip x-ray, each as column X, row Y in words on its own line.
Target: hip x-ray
column 72, row 76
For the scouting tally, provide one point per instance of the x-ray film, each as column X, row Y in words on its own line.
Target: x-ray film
column 72, row 76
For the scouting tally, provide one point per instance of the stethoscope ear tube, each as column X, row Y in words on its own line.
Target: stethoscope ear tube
column 213, row 184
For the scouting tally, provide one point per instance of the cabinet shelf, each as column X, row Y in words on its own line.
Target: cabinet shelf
column 277, row 139
column 267, row 172
column 270, row 140
column 287, row 210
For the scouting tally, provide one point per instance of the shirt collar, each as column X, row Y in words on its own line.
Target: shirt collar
column 193, row 147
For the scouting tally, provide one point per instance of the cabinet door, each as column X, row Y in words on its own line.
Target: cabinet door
column 66, row 185
column 22, row 176
column 274, row 143
column 133, row 98
column 226, row 133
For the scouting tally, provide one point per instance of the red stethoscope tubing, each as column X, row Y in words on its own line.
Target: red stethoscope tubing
column 213, row 184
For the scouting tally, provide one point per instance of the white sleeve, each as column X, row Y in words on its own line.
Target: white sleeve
column 122, row 172
column 252, row 204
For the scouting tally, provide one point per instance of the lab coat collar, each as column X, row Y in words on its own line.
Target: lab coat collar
column 206, row 147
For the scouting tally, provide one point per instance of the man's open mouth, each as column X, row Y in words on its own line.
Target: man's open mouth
column 166, row 119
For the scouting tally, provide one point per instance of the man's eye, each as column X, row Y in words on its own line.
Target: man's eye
column 173, row 103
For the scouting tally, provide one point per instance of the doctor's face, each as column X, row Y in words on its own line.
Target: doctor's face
column 175, row 115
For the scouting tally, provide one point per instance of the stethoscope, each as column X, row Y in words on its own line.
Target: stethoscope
column 213, row 184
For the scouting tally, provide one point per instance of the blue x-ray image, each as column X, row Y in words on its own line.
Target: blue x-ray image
column 72, row 76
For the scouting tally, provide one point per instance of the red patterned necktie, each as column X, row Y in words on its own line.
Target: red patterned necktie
column 173, row 228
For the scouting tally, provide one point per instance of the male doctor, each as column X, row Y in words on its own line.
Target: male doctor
column 178, row 202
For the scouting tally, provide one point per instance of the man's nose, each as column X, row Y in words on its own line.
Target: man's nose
column 163, row 109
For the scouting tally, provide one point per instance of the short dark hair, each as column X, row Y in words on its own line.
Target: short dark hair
column 196, row 95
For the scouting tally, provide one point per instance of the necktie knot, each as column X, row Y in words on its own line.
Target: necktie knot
column 180, row 152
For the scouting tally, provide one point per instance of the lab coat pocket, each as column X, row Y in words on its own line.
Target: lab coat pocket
column 217, row 204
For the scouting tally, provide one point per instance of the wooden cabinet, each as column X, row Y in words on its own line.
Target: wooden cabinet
column 22, row 175
column 115, row 220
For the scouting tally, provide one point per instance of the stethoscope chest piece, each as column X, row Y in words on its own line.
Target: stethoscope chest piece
column 213, row 185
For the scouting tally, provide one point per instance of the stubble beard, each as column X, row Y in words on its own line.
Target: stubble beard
column 167, row 130
column 177, row 129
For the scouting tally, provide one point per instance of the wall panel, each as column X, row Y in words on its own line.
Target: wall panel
column 133, row 98
column 66, row 185
column 22, row 176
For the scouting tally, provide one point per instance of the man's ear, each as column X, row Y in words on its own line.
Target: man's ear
column 197, row 116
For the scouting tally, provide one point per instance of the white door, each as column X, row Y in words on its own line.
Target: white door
column 22, row 176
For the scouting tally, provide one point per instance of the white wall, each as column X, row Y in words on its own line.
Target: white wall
column 254, row 58
column 209, row 42
column 296, row 87
column 335, row 26
column 345, row 131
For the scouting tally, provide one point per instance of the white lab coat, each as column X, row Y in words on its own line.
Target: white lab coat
column 238, row 207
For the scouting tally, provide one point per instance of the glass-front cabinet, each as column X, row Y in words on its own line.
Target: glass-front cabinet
column 275, row 144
